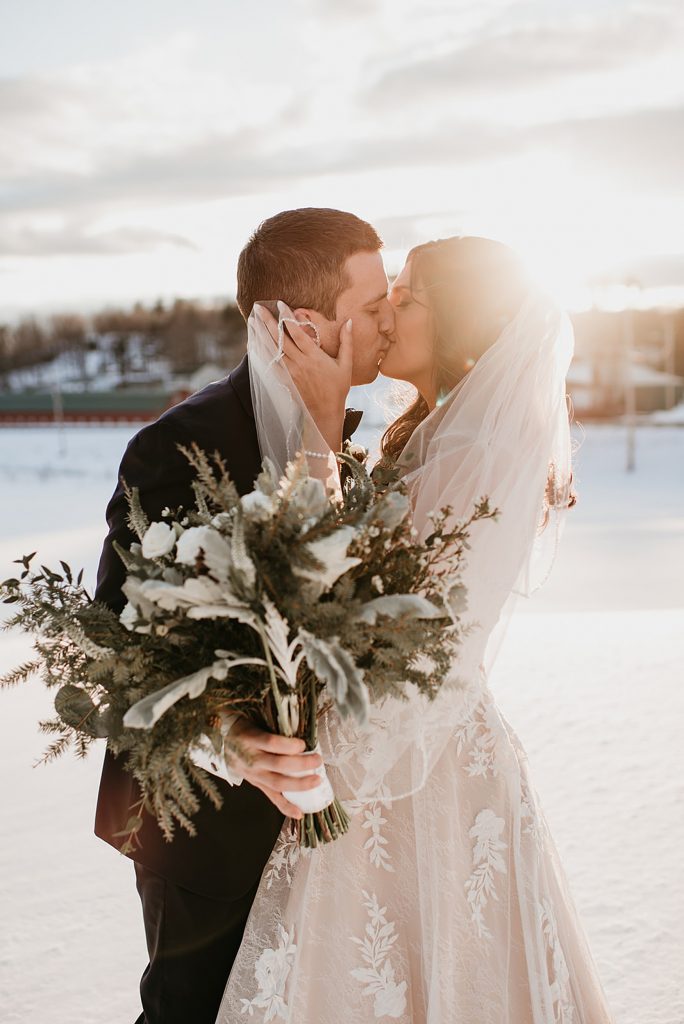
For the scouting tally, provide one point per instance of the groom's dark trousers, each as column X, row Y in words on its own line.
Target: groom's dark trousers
column 196, row 893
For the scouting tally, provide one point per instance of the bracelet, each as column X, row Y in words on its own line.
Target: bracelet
column 316, row 455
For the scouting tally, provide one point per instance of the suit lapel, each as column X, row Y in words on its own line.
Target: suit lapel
column 239, row 379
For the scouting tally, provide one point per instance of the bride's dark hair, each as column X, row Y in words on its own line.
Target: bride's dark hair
column 473, row 287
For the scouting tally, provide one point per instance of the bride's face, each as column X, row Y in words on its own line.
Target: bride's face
column 411, row 354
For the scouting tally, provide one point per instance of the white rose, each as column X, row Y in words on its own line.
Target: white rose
column 222, row 519
column 129, row 616
column 137, row 602
column 216, row 549
column 159, row 539
column 257, row 505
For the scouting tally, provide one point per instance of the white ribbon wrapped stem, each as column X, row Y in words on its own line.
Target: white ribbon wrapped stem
column 311, row 800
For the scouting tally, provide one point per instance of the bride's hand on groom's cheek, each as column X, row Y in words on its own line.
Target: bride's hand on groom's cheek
column 322, row 380
column 275, row 762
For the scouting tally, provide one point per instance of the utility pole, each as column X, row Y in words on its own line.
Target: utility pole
column 58, row 417
column 630, row 390
column 669, row 345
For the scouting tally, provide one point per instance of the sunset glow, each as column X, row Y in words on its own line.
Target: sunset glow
column 144, row 146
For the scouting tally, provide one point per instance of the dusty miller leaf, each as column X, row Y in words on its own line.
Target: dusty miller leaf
column 335, row 666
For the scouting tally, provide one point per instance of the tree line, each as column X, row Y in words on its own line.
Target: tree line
column 187, row 334
column 184, row 333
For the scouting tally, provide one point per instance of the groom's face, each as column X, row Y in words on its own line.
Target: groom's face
column 365, row 301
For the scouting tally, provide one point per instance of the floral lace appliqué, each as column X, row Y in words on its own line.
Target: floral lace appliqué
column 559, row 975
column 373, row 819
column 378, row 974
column 271, row 971
column 487, row 861
column 376, row 842
column 478, row 732
column 285, row 856
column 534, row 824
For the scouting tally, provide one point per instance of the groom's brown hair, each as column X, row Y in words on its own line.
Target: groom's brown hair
column 298, row 256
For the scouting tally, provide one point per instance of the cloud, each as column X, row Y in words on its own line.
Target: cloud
column 406, row 230
column 75, row 240
column 340, row 9
column 499, row 59
column 98, row 118
column 646, row 146
column 27, row 97
column 643, row 148
column 117, row 138
column 101, row 136
column 213, row 167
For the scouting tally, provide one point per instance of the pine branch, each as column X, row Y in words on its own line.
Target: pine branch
column 215, row 485
column 136, row 517
column 205, row 783
column 55, row 749
column 20, row 674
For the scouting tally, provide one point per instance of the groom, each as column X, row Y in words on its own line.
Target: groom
column 196, row 893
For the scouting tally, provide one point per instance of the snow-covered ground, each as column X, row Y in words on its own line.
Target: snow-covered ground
column 590, row 676
column 673, row 417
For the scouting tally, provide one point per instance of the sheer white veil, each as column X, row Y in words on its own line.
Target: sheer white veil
column 284, row 425
column 502, row 433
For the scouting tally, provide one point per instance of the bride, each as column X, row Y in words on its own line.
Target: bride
column 445, row 903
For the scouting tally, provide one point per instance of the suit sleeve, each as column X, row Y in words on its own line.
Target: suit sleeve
column 153, row 464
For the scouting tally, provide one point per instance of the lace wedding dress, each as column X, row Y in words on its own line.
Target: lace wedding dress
column 445, row 903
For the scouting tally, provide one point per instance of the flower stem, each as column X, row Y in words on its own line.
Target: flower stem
column 333, row 821
column 323, row 826
column 313, row 712
column 282, row 717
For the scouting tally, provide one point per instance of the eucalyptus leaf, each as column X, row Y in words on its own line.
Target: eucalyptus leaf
column 73, row 705
column 98, row 726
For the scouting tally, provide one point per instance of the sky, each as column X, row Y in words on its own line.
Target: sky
column 141, row 143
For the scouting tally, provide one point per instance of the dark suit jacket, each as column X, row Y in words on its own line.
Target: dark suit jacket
column 233, row 845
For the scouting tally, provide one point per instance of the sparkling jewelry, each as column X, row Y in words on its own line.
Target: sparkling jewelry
column 299, row 323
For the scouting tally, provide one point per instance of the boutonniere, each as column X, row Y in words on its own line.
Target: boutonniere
column 356, row 451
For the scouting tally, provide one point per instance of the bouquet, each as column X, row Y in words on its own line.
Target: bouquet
column 276, row 605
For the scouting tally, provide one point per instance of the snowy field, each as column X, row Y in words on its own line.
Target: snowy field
column 590, row 676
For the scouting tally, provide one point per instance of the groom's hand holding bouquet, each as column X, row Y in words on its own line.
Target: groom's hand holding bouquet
column 272, row 759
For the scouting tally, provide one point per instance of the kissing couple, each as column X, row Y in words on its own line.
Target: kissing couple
column 445, row 902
